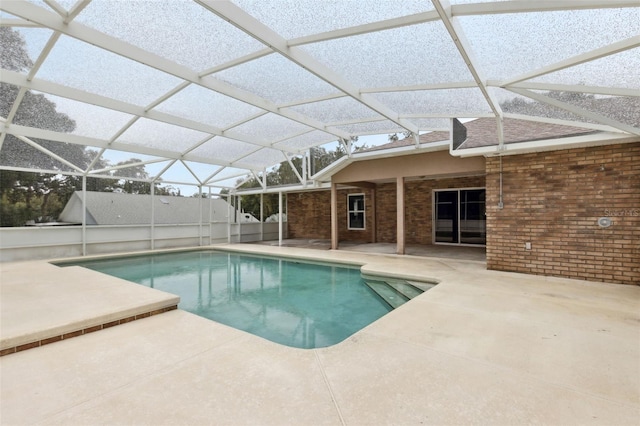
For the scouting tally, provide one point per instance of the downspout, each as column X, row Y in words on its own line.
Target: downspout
column 500, row 201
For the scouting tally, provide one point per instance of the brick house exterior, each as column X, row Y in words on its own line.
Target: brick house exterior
column 554, row 200
column 551, row 199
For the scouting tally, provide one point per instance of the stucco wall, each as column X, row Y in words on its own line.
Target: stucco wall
column 431, row 164
column 553, row 200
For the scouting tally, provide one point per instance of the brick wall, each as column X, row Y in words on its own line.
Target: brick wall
column 309, row 215
column 553, row 200
column 310, row 212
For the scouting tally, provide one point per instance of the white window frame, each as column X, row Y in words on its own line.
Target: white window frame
column 357, row 211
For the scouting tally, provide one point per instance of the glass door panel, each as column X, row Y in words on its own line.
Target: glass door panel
column 446, row 217
column 460, row 216
column 473, row 224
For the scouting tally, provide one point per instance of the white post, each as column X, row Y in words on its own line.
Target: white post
column 200, row 214
column 239, row 199
column 210, row 217
column 280, row 218
column 262, row 217
column 84, row 215
column 229, row 218
column 153, row 215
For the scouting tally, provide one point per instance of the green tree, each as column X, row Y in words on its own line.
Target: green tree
column 35, row 110
column 25, row 195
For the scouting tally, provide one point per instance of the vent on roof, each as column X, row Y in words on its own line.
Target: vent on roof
column 459, row 133
column 164, row 200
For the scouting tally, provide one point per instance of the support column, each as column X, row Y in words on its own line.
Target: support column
column 200, row 215
column 262, row 216
column 400, row 215
column 152, row 190
column 229, row 218
column 374, row 225
column 239, row 216
column 334, row 216
column 84, row 215
column 279, row 218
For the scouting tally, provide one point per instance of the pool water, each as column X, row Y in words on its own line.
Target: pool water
column 303, row 305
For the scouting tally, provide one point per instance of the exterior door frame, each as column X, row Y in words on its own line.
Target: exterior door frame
column 434, row 216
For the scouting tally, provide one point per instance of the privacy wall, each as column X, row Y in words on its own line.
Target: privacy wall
column 553, row 201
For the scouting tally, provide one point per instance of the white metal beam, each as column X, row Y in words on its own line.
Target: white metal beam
column 76, row 9
column 238, row 61
column 20, row 80
column 577, row 110
column 578, row 88
column 55, row 6
column 81, row 32
column 245, row 22
column 500, row 7
column 192, row 172
column 38, row 170
column 12, row 22
column 586, row 126
column 420, row 87
column 49, row 153
column 126, row 166
column 592, row 55
column 387, row 24
column 457, row 35
column 293, row 168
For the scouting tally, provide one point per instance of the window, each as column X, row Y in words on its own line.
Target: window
column 355, row 207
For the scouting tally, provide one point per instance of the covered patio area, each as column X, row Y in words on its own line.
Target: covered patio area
column 476, row 254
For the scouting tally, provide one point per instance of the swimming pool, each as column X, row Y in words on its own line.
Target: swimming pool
column 294, row 303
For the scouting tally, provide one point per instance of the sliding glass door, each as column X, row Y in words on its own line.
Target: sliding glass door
column 459, row 216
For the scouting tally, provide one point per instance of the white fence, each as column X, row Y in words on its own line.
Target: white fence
column 30, row 243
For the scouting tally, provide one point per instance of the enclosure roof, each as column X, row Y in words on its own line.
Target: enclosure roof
column 217, row 89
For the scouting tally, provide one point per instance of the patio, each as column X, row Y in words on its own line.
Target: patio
column 481, row 347
column 432, row 250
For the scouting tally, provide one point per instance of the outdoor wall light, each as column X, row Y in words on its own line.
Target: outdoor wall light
column 604, row 222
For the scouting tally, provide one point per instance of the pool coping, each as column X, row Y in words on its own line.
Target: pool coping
column 499, row 347
column 35, row 313
column 69, row 326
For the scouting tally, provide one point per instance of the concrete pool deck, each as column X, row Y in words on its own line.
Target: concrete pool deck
column 481, row 347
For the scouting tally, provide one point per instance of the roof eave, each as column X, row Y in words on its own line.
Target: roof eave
column 589, row 140
column 326, row 174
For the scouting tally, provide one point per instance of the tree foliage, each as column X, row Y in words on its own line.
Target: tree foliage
column 40, row 197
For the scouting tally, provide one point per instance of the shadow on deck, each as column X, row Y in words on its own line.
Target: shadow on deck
column 441, row 251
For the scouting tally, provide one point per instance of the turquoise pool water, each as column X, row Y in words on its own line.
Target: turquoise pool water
column 303, row 305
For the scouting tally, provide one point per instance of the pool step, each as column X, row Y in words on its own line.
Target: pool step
column 389, row 294
column 396, row 292
column 407, row 290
